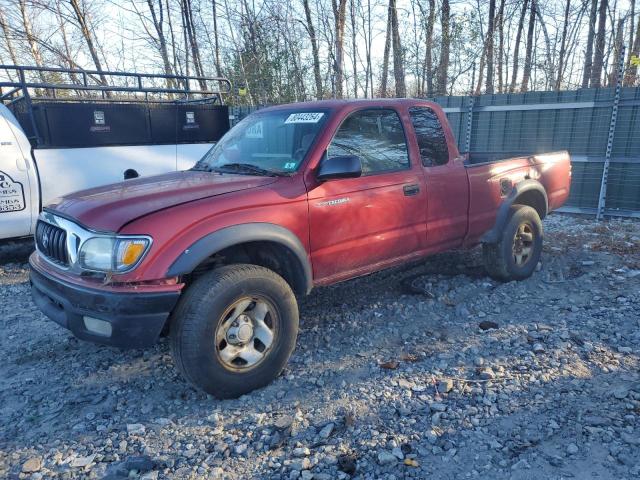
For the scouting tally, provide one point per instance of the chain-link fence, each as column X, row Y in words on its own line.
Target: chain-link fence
column 582, row 122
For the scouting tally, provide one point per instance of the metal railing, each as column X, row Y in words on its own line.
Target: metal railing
column 184, row 87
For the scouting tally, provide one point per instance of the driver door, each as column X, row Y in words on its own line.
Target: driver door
column 360, row 224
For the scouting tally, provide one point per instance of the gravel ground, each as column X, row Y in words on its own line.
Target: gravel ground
column 426, row 371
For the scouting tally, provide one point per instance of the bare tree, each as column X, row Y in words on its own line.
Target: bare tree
column 596, row 69
column 428, row 52
column 385, row 56
column 83, row 23
column 516, row 49
column 501, row 59
column 489, row 49
column 216, row 38
column 588, row 56
column 339, row 14
column 526, row 73
column 443, row 66
column 563, row 45
column 314, row 48
column 354, row 49
column 398, row 62
column 618, row 42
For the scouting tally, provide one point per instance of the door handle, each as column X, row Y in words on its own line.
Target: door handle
column 410, row 190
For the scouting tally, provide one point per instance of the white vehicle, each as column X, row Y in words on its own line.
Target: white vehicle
column 52, row 143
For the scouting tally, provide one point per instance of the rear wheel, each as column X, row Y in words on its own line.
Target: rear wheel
column 234, row 330
column 517, row 252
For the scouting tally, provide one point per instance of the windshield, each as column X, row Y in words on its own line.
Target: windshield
column 266, row 143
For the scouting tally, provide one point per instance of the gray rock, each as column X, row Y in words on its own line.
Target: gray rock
column 326, row 431
column 301, row 452
column 82, row 462
column 445, row 385
column 34, row 464
column 136, row 429
column 386, row 458
column 572, row 449
column 538, row 348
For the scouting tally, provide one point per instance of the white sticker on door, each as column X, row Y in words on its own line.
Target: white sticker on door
column 307, row 117
column 11, row 194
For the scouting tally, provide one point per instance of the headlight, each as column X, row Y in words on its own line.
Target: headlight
column 112, row 254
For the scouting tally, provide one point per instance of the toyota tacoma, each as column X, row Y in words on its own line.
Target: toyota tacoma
column 292, row 198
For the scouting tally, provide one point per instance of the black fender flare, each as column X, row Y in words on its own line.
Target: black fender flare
column 208, row 245
column 493, row 235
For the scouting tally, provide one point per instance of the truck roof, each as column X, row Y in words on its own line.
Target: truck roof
column 335, row 104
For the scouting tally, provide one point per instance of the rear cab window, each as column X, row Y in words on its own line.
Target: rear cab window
column 432, row 142
column 375, row 135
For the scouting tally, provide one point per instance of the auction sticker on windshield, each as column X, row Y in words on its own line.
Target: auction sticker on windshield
column 307, row 117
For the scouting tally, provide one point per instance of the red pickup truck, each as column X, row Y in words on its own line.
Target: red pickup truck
column 293, row 197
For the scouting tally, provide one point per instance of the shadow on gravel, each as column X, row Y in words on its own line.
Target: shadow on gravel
column 16, row 251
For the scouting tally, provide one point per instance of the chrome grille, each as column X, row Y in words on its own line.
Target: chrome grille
column 52, row 242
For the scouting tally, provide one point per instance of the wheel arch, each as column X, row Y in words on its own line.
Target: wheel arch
column 528, row 192
column 265, row 244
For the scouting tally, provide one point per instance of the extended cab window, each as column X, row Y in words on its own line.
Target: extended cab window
column 430, row 136
column 376, row 136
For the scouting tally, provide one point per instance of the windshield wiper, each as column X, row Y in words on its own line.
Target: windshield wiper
column 247, row 168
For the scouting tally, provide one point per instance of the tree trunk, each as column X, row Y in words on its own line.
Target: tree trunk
column 339, row 13
column 428, row 54
column 563, row 45
column 31, row 39
column 158, row 23
column 483, row 59
column 598, row 57
column 385, row 57
column 398, row 63
column 588, row 56
column 500, row 23
column 354, row 48
column 443, row 66
column 216, row 40
column 526, row 74
column 516, row 49
column 88, row 38
column 193, row 42
column 489, row 49
column 617, row 51
column 314, row 49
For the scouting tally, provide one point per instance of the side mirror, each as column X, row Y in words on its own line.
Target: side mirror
column 346, row 166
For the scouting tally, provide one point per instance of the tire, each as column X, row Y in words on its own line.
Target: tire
column 204, row 327
column 506, row 260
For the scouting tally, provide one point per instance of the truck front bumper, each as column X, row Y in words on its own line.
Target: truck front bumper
column 125, row 320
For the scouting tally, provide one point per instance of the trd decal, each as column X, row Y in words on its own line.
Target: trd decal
column 11, row 195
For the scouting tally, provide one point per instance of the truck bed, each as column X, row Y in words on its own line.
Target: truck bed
column 491, row 181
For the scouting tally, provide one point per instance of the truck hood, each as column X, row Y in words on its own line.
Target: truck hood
column 110, row 207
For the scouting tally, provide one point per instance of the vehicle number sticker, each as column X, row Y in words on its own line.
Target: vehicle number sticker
column 11, row 194
column 290, row 165
column 307, row 117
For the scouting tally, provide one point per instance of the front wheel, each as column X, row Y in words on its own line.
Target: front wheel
column 517, row 252
column 234, row 330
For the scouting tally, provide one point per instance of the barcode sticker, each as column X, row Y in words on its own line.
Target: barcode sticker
column 307, row 117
